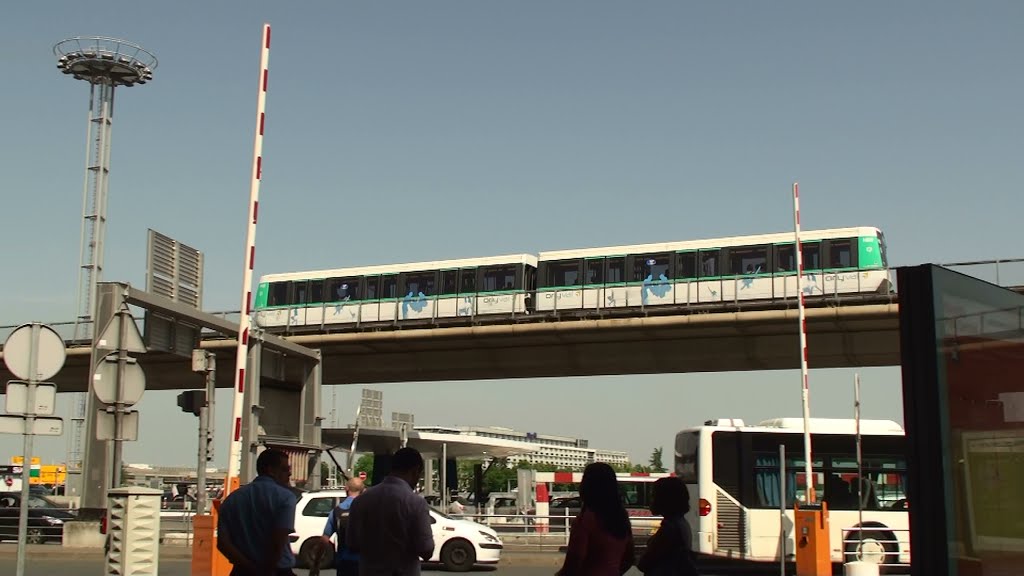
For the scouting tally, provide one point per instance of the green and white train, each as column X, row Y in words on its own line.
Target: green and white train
column 674, row 277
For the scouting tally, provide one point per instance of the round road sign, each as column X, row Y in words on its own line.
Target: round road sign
column 50, row 353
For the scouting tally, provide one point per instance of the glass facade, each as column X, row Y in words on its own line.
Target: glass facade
column 962, row 348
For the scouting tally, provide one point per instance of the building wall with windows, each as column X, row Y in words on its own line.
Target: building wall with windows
column 561, row 451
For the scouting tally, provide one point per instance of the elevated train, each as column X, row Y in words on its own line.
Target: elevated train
column 673, row 277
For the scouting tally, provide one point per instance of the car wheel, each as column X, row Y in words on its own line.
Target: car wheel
column 308, row 553
column 458, row 556
column 35, row 536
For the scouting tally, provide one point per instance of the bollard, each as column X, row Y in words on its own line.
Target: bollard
column 134, row 531
column 813, row 556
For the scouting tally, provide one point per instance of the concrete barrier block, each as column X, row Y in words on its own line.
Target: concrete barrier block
column 83, row 534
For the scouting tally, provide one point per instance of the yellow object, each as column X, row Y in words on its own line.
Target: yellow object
column 813, row 554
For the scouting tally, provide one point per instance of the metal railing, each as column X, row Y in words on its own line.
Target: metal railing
column 879, row 547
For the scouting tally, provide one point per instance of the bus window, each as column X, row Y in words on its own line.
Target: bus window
column 278, row 295
column 745, row 260
column 594, row 273
column 687, row 444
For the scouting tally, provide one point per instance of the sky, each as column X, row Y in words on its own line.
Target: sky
column 408, row 131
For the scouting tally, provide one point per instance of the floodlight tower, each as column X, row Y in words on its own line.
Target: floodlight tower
column 105, row 63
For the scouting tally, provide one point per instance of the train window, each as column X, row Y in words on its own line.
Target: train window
column 372, row 291
column 300, row 293
column 840, row 254
column 745, row 260
column 594, row 271
column 449, row 282
column 278, row 295
column 316, row 291
column 650, row 267
column 686, row 265
column 467, row 284
column 564, row 273
column 785, row 258
column 709, row 263
column 389, row 286
column 417, row 283
column 616, row 270
column 811, row 255
column 342, row 289
column 499, row 278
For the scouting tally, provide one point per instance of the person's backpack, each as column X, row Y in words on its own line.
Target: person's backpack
column 340, row 524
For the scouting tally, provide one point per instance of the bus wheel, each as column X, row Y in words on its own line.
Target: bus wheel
column 874, row 547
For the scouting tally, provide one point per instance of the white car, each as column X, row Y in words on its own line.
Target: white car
column 458, row 544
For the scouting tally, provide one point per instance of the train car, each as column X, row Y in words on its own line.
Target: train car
column 399, row 293
column 840, row 261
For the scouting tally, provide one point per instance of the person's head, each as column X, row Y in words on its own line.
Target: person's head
column 274, row 463
column 671, row 497
column 599, row 491
column 354, row 487
column 407, row 464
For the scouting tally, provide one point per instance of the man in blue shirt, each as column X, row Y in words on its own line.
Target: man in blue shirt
column 254, row 522
column 346, row 562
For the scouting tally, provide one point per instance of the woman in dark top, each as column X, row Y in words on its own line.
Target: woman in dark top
column 601, row 541
column 670, row 549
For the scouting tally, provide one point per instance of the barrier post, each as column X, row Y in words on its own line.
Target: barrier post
column 813, row 554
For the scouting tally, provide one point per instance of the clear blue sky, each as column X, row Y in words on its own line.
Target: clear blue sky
column 403, row 131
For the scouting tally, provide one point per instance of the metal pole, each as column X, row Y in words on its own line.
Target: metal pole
column 211, row 413
column 809, row 480
column 444, row 478
column 204, row 418
column 860, row 462
column 122, row 360
column 242, row 355
column 782, row 510
column 26, row 455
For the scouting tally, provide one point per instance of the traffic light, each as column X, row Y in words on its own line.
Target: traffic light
column 192, row 401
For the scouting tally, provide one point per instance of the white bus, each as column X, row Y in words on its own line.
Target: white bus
column 733, row 474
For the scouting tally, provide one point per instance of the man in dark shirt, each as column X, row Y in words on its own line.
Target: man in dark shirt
column 255, row 521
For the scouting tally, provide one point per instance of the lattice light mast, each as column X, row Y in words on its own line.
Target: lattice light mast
column 105, row 63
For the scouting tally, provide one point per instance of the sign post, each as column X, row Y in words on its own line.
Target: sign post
column 34, row 353
column 120, row 381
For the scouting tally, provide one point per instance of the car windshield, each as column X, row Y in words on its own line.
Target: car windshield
column 40, row 502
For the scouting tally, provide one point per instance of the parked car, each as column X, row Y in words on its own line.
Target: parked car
column 45, row 518
column 458, row 544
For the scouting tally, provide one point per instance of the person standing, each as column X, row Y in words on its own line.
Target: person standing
column 670, row 550
column 255, row 520
column 346, row 562
column 389, row 525
column 601, row 538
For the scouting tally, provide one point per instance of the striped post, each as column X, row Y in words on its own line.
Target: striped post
column 803, row 344
column 244, row 323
